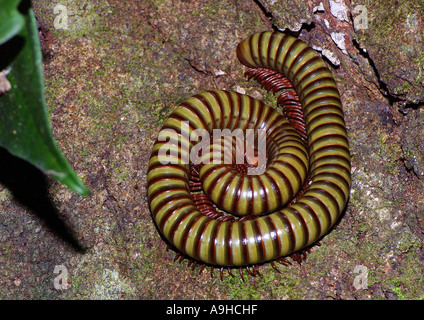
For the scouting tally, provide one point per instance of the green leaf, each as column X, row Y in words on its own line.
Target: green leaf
column 11, row 19
column 24, row 123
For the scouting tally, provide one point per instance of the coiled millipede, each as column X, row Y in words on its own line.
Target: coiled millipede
column 187, row 199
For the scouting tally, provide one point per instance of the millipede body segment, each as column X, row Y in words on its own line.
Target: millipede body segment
column 258, row 184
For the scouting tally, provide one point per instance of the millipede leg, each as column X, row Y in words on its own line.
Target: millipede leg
column 241, row 273
column 256, row 267
column 275, row 267
column 283, row 262
column 288, row 100
column 201, row 268
column 297, row 257
column 190, row 262
column 229, row 272
column 177, row 256
column 249, row 271
column 194, row 265
column 221, row 273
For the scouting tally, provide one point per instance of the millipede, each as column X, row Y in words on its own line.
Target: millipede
column 219, row 214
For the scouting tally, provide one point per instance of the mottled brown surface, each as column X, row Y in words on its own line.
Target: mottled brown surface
column 121, row 68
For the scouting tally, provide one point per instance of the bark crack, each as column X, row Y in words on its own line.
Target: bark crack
column 382, row 86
